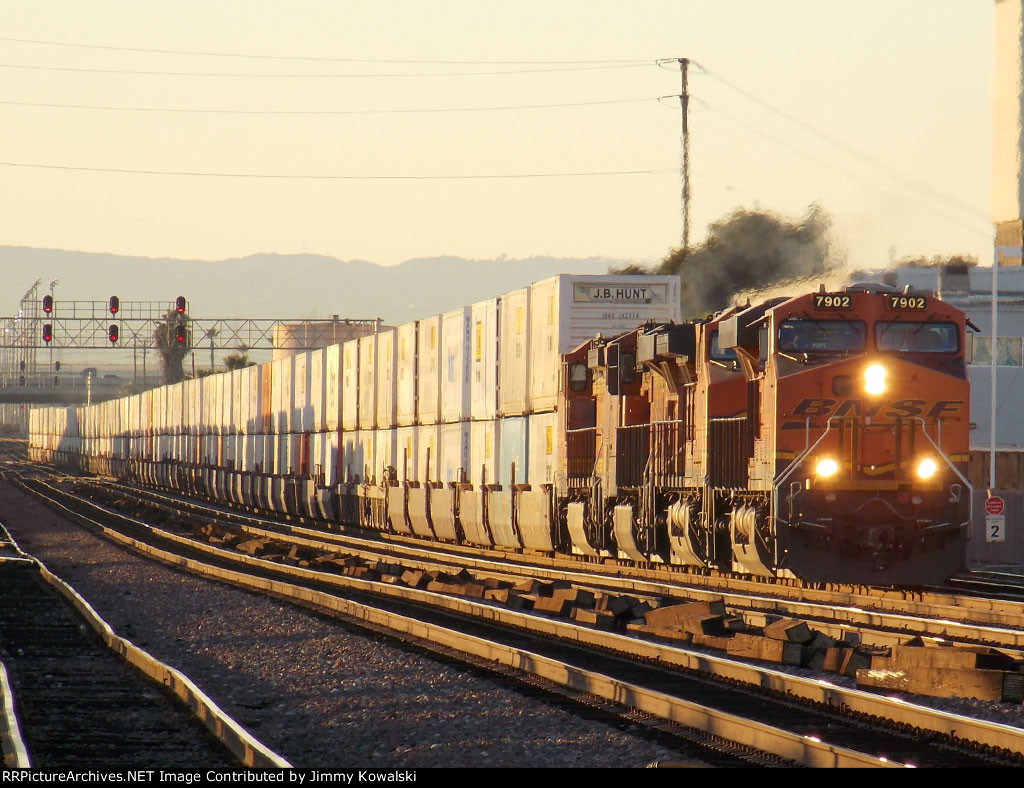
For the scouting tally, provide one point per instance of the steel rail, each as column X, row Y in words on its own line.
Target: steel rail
column 951, row 608
column 823, row 692
column 12, row 743
column 834, row 620
column 243, row 745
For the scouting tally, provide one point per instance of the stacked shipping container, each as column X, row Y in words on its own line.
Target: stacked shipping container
column 468, row 396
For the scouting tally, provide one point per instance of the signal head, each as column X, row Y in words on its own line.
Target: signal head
column 179, row 335
column 179, row 304
column 47, row 333
column 113, row 333
column 114, row 304
column 48, row 304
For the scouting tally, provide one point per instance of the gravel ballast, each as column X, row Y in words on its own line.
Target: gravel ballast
column 318, row 692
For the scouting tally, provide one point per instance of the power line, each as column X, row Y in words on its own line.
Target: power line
column 851, row 173
column 318, row 59
column 850, row 149
column 277, row 176
column 190, row 110
column 404, row 75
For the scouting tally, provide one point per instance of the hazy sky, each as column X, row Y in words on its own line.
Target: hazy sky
column 878, row 110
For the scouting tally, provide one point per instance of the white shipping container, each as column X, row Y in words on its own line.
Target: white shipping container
column 208, row 422
column 332, row 388
column 543, row 454
column 453, row 452
column 386, row 452
column 317, row 442
column 428, row 394
column 283, row 403
column 363, row 461
column 427, row 444
column 568, row 309
column 483, row 452
column 193, row 406
column 405, row 408
column 239, row 401
column 483, row 360
column 300, row 417
column 514, row 448
column 455, row 355
column 367, row 381
column 243, row 401
column 317, row 390
column 387, row 378
column 254, row 418
column 350, row 385
column 230, row 454
column 514, row 353
column 225, row 395
column 331, row 459
column 407, row 452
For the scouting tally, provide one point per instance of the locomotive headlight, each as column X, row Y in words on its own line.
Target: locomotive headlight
column 874, row 379
column 926, row 468
column 826, row 468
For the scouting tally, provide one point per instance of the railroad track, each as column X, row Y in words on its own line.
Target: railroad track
column 803, row 720
column 73, row 702
column 881, row 618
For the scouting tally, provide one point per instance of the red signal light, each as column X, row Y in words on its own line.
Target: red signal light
column 112, row 333
column 47, row 332
column 179, row 304
column 114, row 304
column 48, row 304
column 180, row 335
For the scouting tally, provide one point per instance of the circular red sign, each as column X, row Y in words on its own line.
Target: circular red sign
column 994, row 505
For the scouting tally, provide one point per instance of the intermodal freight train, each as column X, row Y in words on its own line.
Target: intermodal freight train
column 822, row 437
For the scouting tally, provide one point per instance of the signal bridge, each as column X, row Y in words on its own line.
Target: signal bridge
column 139, row 326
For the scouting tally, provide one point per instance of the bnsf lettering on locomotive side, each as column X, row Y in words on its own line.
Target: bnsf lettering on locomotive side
column 855, row 408
column 906, row 408
column 944, row 406
column 814, row 406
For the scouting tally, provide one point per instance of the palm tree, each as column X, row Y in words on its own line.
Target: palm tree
column 237, row 361
column 172, row 351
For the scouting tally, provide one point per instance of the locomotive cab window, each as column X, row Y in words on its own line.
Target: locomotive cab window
column 627, row 367
column 821, row 336
column 578, row 377
column 917, row 337
column 719, row 353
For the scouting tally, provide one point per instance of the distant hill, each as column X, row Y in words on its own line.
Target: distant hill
column 286, row 286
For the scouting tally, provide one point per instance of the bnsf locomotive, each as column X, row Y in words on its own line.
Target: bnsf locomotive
column 822, row 437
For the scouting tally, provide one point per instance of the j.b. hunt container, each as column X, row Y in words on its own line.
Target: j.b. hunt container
column 566, row 310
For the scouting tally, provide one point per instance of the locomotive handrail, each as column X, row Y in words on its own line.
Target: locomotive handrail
column 949, row 462
column 828, row 427
column 798, row 460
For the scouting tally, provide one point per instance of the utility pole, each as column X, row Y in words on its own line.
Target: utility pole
column 684, row 103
